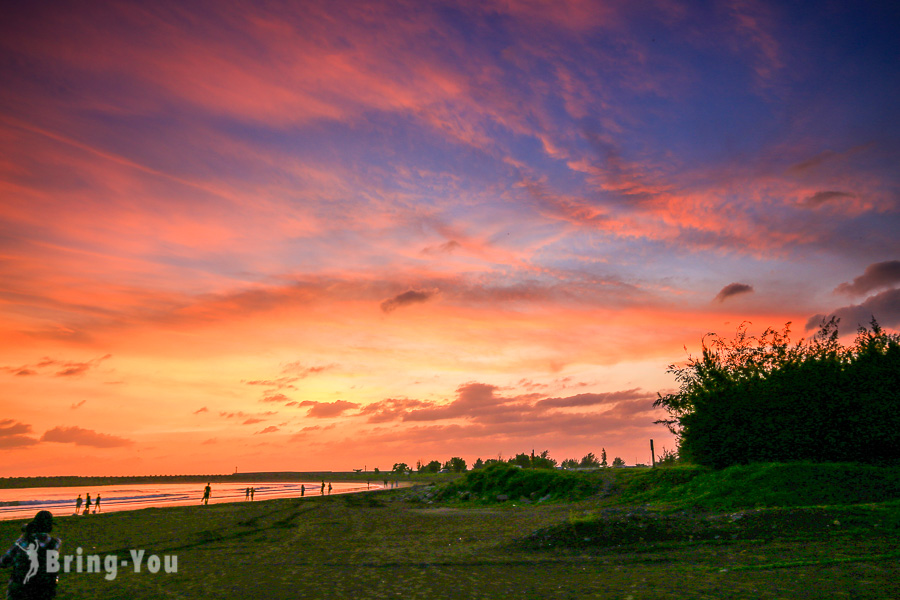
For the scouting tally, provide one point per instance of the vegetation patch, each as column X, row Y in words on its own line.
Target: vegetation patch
column 761, row 485
column 641, row 526
column 500, row 482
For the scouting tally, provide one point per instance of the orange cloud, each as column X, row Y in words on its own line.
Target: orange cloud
column 84, row 437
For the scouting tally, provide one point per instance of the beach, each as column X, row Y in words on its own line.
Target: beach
column 20, row 503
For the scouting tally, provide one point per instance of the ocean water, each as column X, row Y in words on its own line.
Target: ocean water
column 24, row 503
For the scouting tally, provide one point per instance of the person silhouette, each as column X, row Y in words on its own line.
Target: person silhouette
column 78, row 504
column 87, row 504
column 247, row 494
column 252, row 493
column 30, row 578
column 206, row 493
column 302, row 490
column 97, row 504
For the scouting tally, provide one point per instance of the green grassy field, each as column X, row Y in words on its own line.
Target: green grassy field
column 396, row 544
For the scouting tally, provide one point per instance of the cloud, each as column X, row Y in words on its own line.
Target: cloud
column 269, row 429
column 617, row 426
column 884, row 307
column 84, row 437
column 280, row 383
column 481, row 405
column 302, row 371
column 322, row 410
column 77, row 405
column 12, row 434
column 10, row 427
column 201, row 410
column 16, row 441
column 592, row 399
column 473, row 400
column 877, row 275
column 445, row 248
column 75, row 369
column 252, row 421
column 392, row 409
column 60, row 368
column 275, row 398
column 733, row 289
column 407, row 298
column 820, row 198
column 239, row 414
column 291, row 372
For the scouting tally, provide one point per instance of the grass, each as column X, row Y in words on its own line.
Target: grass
column 396, row 545
column 761, row 485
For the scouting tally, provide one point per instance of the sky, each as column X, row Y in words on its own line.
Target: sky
column 335, row 235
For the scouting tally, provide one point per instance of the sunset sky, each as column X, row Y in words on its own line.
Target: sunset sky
column 337, row 234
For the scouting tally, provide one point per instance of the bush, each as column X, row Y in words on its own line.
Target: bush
column 762, row 400
column 503, row 479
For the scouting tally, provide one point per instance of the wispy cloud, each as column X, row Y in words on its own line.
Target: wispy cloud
column 13, row 434
column 324, row 410
column 84, row 437
column 407, row 298
column 57, row 367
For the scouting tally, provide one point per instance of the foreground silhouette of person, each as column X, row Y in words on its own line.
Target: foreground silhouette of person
column 206, row 493
column 78, row 504
column 302, row 490
column 246, row 494
column 29, row 579
column 252, row 493
column 97, row 504
column 87, row 505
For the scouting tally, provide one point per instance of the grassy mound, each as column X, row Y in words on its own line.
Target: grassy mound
column 635, row 525
column 502, row 481
column 761, row 485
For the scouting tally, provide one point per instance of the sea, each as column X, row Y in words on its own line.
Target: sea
column 23, row 503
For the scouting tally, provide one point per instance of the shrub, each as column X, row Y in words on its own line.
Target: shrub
column 763, row 400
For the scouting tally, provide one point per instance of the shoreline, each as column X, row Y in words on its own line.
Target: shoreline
column 23, row 503
column 8, row 483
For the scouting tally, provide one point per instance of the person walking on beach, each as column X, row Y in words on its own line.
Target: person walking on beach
column 323, row 487
column 30, row 579
column 97, row 504
column 252, row 493
column 246, row 494
column 78, row 504
column 302, row 490
column 206, row 493
column 87, row 505
column 329, row 488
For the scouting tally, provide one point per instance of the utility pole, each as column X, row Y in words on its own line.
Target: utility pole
column 652, row 454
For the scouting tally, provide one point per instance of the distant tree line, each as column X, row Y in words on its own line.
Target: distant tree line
column 764, row 400
column 523, row 460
